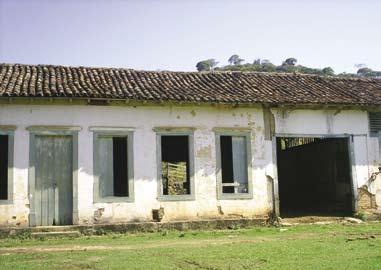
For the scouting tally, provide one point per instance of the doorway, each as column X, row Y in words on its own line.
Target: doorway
column 314, row 176
column 52, row 159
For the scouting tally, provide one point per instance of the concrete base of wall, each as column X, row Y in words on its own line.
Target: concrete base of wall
column 99, row 229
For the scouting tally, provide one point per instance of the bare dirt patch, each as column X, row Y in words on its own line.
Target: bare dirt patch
column 167, row 244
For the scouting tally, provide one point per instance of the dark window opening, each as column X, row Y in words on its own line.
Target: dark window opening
column 120, row 166
column 234, row 164
column 175, row 165
column 227, row 163
column 314, row 176
column 3, row 167
column 113, row 166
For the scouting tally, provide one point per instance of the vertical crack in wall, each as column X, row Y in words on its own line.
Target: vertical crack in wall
column 269, row 123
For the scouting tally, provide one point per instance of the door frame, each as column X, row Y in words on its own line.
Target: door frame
column 53, row 131
column 351, row 157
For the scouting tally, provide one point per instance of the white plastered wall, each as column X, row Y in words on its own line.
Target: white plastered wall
column 143, row 119
column 204, row 119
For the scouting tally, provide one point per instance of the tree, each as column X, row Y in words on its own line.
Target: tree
column 367, row 72
column 202, row 66
column 328, row 71
column 257, row 62
column 235, row 60
column 267, row 66
column 288, row 66
column 266, row 62
column 364, row 71
column 290, row 61
column 206, row 65
column 212, row 63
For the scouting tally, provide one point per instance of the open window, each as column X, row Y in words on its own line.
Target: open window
column 233, row 164
column 113, row 166
column 6, row 165
column 175, row 166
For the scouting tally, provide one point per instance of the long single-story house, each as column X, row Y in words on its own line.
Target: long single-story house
column 82, row 145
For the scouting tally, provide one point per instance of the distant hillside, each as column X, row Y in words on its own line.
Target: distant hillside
column 236, row 63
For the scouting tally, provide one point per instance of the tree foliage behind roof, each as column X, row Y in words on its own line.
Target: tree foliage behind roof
column 367, row 72
column 289, row 65
column 206, row 65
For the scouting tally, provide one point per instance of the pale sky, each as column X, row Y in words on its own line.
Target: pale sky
column 175, row 35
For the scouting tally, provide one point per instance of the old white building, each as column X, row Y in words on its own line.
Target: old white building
column 91, row 145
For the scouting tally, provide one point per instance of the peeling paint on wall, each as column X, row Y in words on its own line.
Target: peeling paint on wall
column 98, row 214
column 269, row 123
column 143, row 119
column 204, row 152
column 329, row 118
column 366, row 200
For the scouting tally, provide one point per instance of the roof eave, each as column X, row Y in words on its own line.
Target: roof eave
column 141, row 102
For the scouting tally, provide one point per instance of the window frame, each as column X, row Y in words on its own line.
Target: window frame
column 372, row 116
column 113, row 132
column 177, row 131
column 379, row 148
column 10, row 132
column 233, row 132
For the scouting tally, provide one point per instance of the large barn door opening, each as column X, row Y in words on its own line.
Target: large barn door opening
column 314, row 176
column 53, row 195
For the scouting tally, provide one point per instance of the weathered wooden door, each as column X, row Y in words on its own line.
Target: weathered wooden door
column 53, row 198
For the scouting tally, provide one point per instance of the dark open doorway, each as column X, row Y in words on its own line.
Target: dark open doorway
column 314, row 176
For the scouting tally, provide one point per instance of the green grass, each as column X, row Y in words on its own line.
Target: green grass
column 332, row 246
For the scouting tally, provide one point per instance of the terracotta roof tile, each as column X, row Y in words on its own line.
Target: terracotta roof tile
column 17, row 80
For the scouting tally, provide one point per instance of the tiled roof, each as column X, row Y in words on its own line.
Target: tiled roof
column 17, row 80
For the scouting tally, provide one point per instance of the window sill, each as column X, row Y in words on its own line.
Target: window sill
column 242, row 196
column 170, row 198
column 6, row 202
column 112, row 199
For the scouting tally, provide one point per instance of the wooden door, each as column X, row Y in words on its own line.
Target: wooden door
column 53, row 198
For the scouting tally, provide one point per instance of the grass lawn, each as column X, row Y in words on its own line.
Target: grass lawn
column 334, row 246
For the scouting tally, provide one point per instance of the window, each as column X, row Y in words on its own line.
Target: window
column 175, row 165
column 6, row 163
column 233, row 165
column 4, row 167
column 113, row 166
column 374, row 123
column 375, row 128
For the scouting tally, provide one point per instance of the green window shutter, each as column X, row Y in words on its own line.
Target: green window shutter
column 374, row 123
column 240, row 163
column 105, row 166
